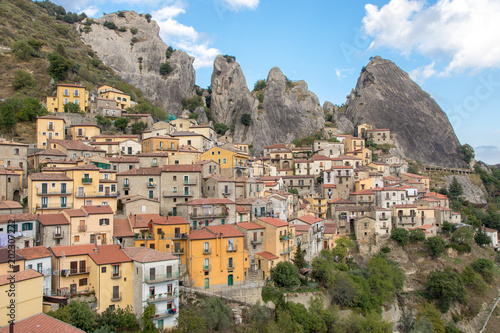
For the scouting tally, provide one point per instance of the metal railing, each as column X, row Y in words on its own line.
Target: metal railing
column 232, row 248
column 76, row 271
column 161, row 277
column 257, row 240
column 82, row 228
column 86, row 180
column 57, row 192
column 207, row 215
column 54, row 206
column 58, row 235
column 207, row 251
column 286, row 250
column 180, row 236
column 117, row 275
column 178, row 193
column 179, row 251
column 151, row 184
column 96, row 194
column 207, row 267
column 190, row 181
column 162, row 297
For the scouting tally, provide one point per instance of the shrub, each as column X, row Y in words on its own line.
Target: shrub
column 285, row 274
column 482, row 238
column 23, row 81
column 194, row 115
column 110, row 25
column 417, row 235
column 192, row 103
column 22, row 50
column 59, row 66
column 385, row 249
column 121, row 14
column 121, row 123
column 463, row 235
column 260, row 97
column 134, row 31
column 71, row 107
column 445, row 287
column 246, row 119
column 137, row 128
column 229, row 58
column 221, row 129
column 32, row 108
column 400, row 235
column 122, row 29
column 461, row 248
column 260, row 85
column 474, row 280
column 169, row 51
column 435, row 245
column 484, row 267
column 148, row 17
column 165, row 68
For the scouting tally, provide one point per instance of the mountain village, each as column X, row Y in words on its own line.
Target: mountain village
column 122, row 219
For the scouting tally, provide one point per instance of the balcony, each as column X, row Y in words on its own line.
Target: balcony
column 166, row 314
column 126, row 185
column 178, row 193
column 207, row 268
column 143, row 236
column 54, row 206
column 117, row 275
column 230, row 266
column 286, row 237
column 160, row 277
column 82, row 228
column 190, row 181
column 383, row 218
column 257, row 240
column 116, row 297
column 203, row 215
column 162, row 297
column 179, row 251
column 54, row 192
column 232, row 248
column 58, row 235
column 86, row 180
column 151, row 184
column 78, row 271
column 180, row 236
column 207, row 251
column 89, row 194
column 286, row 250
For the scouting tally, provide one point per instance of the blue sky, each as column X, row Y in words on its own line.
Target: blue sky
column 450, row 47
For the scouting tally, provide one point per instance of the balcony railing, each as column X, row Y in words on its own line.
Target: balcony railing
column 162, row 297
column 286, row 237
column 257, row 240
column 190, row 181
column 86, row 180
column 82, row 228
column 166, row 314
column 383, row 218
column 207, row 251
column 126, row 185
column 207, row 267
column 55, row 192
column 286, row 250
column 178, row 193
column 117, row 275
column 151, row 184
column 77, row 271
column 88, row 194
column 143, row 236
column 232, row 248
column 230, row 266
column 161, row 277
column 179, row 251
column 53, row 206
column 116, row 297
column 203, row 215
column 58, row 235
column 180, row 236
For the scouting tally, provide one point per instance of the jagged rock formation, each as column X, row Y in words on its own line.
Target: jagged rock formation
column 386, row 97
column 117, row 51
column 344, row 125
column 473, row 193
column 288, row 111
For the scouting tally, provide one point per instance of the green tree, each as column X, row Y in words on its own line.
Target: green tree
column 344, row 290
column 32, row 108
column 121, row 123
column 260, row 85
column 217, row 314
column 463, row 235
column 220, row 128
column 467, row 152
column 103, row 122
column 189, row 321
column 119, row 320
column 323, row 269
column 134, row 30
column 298, row 258
column 383, row 279
column 474, row 280
column 22, row 50
column 455, row 190
column 165, row 68
column 400, row 235
column 482, row 238
column 59, row 66
column 447, row 227
column 147, row 324
column 110, row 25
column 484, row 267
column 429, row 313
column 416, row 235
column 445, row 287
column 137, row 128
column 72, row 107
column 77, row 314
column 259, row 314
column 169, row 51
column 246, row 119
column 8, row 113
column 435, row 245
column 343, row 246
column 285, row 274
column 23, row 81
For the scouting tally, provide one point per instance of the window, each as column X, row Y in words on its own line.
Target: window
column 92, row 239
column 66, row 92
column 64, row 201
column 151, row 194
column 106, row 176
column 172, row 146
column 116, row 292
column 27, row 226
column 82, row 282
column 116, row 270
column 230, row 263
column 39, row 267
column 101, row 188
column 155, row 162
column 125, row 182
column 103, row 269
column 16, row 151
column 224, row 160
column 103, row 221
column 63, row 187
column 77, row 239
column 66, row 101
column 77, row 93
column 113, row 188
column 77, row 101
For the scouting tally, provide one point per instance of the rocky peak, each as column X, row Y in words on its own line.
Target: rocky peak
column 386, row 97
column 137, row 58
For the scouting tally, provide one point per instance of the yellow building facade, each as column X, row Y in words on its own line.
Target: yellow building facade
column 122, row 99
column 84, row 131
column 49, row 127
column 160, row 143
column 68, row 93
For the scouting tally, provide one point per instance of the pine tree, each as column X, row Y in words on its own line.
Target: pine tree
column 298, row 258
column 455, row 189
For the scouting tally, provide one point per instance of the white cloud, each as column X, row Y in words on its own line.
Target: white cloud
column 241, row 4
column 422, row 73
column 488, row 154
column 461, row 32
column 91, row 11
column 340, row 72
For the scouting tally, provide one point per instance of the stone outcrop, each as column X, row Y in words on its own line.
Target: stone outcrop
column 473, row 193
column 344, row 125
column 117, row 51
column 288, row 111
column 386, row 97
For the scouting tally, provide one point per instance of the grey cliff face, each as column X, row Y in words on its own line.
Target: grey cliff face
column 117, row 51
column 344, row 125
column 289, row 110
column 386, row 97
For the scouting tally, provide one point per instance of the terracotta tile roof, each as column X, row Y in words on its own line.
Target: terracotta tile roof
column 50, row 176
column 115, row 143
column 74, row 145
column 86, row 125
column 157, row 154
column 34, row 252
column 50, row 152
column 20, row 276
column 267, row 255
column 109, row 254
column 141, row 220
column 121, row 136
column 330, row 228
column 219, row 178
column 277, row 145
column 225, row 231
column 98, row 209
column 51, row 117
column 144, row 254
column 198, row 202
column 246, row 201
column 340, row 201
column 404, row 206
column 200, row 234
column 72, row 250
column 4, row 255
column 352, row 208
column 169, row 220
column 302, row 227
column 270, row 178
column 75, row 212
column 42, row 323
column 249, row 225
column 274, row 221
column 141, row 172
column 338, row 167
column 9, row 204
column 133, row 198
column 121, row 228
column 329, row 186
column 412, row 175
column 52, row 219
column 4, row 218
column 182, row 168
column 309, row 219
column 122, row 159
column 436, row 195
column 363, row 192
column 240, row 209
column 386, row 188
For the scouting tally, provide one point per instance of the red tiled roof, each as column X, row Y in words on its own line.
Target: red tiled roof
column 144, row 254
column 274, row 221
column 309, row 219
column 109, row 254
column 200, row 234
column 169, row 220
column 363, row 192
column 50, row 152
column 249, row 225
column 19, row 276
column 75, row 145
column 121, row 228
column 225, row 231
column 9, row 204
column 50, row 176
column 4, row 218
column 52, row 219
column 75, row 212
column 329, row 186
column 341, row 201
column 72, row 250
column 412, row 175
column 141, row 172
column 42, row 323
column 141, row 220
column 302, row 227
column 51, row 117
column 267, row 255
column 34, row 252
column 182, row 168
column 405, row 206
column 4, row 255
column 112, row 136
column 98, row 209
